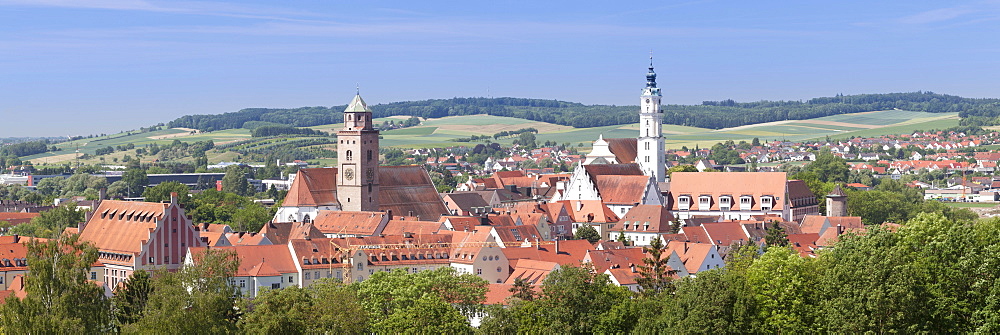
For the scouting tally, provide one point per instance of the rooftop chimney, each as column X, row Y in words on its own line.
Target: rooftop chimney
column 557, row 246
column 173, row 198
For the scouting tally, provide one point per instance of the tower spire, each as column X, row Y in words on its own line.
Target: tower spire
column 651, row 75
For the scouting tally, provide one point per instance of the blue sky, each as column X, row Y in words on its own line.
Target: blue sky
column 76, row 67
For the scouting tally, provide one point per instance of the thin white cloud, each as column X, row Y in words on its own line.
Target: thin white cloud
column 938, row 15
column 207, row 8
column 88, row 4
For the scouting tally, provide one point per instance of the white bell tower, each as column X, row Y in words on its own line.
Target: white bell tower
column 651, row 147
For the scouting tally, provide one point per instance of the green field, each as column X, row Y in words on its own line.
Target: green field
column 439, row 133
column 969, row 204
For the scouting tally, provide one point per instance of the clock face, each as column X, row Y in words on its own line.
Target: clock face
column 647, row 101
column 349, row 174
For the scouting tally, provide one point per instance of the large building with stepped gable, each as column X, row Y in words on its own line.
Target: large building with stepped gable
column 358, row 183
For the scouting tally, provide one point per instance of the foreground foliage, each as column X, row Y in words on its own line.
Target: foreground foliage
column 932, row 274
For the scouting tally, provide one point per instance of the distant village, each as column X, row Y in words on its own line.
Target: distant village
column 518, row 215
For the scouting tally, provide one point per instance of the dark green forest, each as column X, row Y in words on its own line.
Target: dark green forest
column 710, row 114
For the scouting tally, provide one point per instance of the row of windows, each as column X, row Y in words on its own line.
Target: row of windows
column 725, row 202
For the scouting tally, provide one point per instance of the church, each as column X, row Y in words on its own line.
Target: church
column 358, row 183
column 647, row 149
column 623, row 173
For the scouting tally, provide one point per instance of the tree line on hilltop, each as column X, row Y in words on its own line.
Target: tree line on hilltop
column 710, row 114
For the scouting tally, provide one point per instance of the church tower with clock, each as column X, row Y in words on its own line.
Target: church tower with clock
column 357, row 159
column 650, row 153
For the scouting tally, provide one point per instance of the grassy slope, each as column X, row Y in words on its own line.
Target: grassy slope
column 439, row 132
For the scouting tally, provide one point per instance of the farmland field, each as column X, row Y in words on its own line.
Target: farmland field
column 441, row 132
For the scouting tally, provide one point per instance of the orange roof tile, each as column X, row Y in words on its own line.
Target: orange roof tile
column 350, row 223
column 18, row 218
column 318, row 253
column 625, row 149
column 646, row 218
column 606, row 259
column 282, row 232
column 313, row 187
column 570, row 252
column 627, row 189
column 589, row 211
column 257, row 260
column 693, row 255
column 408, row 190
column 114, row 227
column 532, row 271
column 735, row 184
column 398, row 227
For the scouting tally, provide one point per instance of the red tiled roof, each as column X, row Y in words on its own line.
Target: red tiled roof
column 625, row 275
column 313, row 187
column 13, row 257
column 606, row 259
column 318, row 253
column 18, row 218
column 693, row 255
column 122, row 226
column 515, row 235
column 735, row 184
column 282, row 232
column 570, row 252
column 625, row 149
column 244, row 238
column 589, row 211
column 257, row 260
column 462, row 223
column 646, row 218
column 622, row 189
column 532, row 271
column 725, row 233
column 805, row 244
column 408, row 190
column 398, row 227
column 350, row 223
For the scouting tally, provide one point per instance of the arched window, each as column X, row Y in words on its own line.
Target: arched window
column 369, row 155
column 350, row 155
column 306, row 219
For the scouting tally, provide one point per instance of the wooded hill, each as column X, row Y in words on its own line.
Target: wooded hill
column 710, row 114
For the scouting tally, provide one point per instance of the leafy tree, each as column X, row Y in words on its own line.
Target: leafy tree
column 286, row 311
column 876, row 207
column 324, row 307
column 784, row 287
column 161, row 193
column 829, row 168
column 51, row 223
column 251, row 218
column 337, row 309
column 522, row 289
column 235, row 181
column 131, row 296
column 586, row 232
column 135, row 181
column 776, row 236
column 428, row 314
column 197, row 299
column 60, row 299
column 655, row 273
column 389, row 296
column 574, row 297
column 681, row 168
